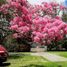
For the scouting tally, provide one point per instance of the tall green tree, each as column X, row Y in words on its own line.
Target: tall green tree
column 64, row 16
column 4, row 30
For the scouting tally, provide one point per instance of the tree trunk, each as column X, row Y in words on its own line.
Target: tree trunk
column 23, row 46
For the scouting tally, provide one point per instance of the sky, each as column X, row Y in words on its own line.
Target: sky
column 65, row 3
column 39, row 1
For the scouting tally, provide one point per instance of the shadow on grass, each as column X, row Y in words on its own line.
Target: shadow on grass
column 34, row 65
column 4, row 64
column 17, row 56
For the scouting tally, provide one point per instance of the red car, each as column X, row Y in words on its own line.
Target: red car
column 3, row 54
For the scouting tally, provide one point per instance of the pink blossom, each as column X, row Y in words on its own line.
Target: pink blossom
column 15, row 4
column 48, row 25
column 65, row 30
column 20, row 29
column 14, row 27
column 15, row 35
column 24, row 2
column 39, row 34
column 45, row 4
column 62, row 7
column 25, row 29
column 36, row 39
column 48, row 42
column 55, row 29
column 51, row 33
column 60, row 37
column 16, row 19
column 33, row 27
column 24, row 10
column 9, row 1
column 45, row 36
column 54, row 4
column 62, row 32
column 28, row 18
column 57, row 22
column 21, row 24
column 62, row 26
column 45, row 30
column 34, row 32
column 57, row 17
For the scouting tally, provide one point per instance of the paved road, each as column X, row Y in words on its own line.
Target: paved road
column 50, row 57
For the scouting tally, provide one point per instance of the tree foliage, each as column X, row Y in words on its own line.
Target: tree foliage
column 39, row 23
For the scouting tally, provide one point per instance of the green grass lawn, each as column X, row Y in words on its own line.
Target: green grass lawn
column 61, row 53
column 26, row 60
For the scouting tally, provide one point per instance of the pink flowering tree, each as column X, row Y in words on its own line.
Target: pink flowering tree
column 50, row 21
column 39, row 23
column 9, row 10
